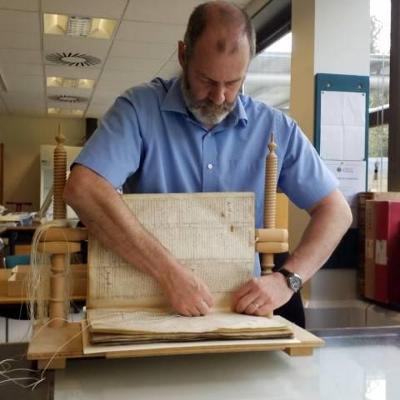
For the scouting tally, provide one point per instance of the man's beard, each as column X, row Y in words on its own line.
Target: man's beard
column 205, row 111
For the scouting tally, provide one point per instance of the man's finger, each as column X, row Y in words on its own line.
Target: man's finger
column 244, row 302
column 203, row 307
column 242, row 291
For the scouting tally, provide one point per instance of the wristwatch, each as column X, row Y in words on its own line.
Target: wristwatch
column 293, row 280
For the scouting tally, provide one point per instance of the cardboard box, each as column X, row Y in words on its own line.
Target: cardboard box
column 18, row 281
column 19, row 278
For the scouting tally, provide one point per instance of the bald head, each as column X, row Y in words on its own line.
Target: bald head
column 225, row 25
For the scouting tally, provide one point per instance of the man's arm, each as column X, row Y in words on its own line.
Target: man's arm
column 330, row 219
column 108, row 218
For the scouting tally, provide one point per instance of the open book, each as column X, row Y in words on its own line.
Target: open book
column 213, row 235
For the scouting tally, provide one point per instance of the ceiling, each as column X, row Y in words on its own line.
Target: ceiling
column 142, row 46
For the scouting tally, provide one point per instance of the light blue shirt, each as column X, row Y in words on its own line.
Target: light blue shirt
column 148, row 142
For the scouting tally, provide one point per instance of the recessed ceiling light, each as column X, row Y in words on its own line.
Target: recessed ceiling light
column 65, row 112
column 57, row 24
column 70, row 83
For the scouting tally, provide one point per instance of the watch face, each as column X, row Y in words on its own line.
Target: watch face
column 295, row 283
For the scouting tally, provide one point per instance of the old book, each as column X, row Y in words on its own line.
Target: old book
column 210, row 233
column 369, row 263
column 387, row 251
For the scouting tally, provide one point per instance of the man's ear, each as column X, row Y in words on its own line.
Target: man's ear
column 182, row 54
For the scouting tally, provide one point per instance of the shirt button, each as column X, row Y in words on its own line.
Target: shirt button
column 210, row 166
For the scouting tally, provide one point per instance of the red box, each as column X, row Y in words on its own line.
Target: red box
column 387, row 252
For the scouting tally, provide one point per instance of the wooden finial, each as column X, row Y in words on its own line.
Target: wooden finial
column 60, row 138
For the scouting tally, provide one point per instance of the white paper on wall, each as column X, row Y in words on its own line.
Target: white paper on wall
column 342, row 133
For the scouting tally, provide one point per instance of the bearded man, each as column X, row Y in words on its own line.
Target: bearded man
column 197, row 133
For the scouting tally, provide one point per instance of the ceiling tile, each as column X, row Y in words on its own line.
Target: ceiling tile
column 170, row 70
column 144, row 10
column 114, row 88
column 150, row 32
column 154, row 51
column 17, row 40
column 21, row 69
column 20, row 56
column 25, row 5
column 133, row 65
column 19, row 21
column 28, row 110
column 87, row 8
column 106, row 97
column 23, row 97
column 96, row 111
column 126, row 76
column 25, row 83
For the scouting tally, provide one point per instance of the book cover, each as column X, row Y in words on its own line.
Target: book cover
column 387, row 252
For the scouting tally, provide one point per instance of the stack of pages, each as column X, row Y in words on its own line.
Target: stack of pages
column 213, row 235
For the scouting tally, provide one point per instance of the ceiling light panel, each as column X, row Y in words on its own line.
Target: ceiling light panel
column 71, row 83
column 78, row 26
column 56, row 111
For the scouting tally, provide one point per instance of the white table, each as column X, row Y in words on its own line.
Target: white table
column 365, row 365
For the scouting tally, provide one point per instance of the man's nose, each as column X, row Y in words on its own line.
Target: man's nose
column 217, row 94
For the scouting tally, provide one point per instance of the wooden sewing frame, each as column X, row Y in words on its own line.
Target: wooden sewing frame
column 53, row 344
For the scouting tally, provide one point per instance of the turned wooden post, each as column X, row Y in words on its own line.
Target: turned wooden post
column 271, row 172
column 59, row 177
column 58, row 260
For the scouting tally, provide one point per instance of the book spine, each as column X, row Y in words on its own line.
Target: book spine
column 381, row 251
column 394, row 252
column 369, row 254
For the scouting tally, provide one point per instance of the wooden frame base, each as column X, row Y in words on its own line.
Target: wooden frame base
column 51, row 347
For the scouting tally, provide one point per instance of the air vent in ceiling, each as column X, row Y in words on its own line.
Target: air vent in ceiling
column 73, row 59
column 69, row 99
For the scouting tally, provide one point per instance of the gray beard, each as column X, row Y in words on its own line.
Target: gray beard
column 205, row 111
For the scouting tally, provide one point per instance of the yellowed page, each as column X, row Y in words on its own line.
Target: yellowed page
column 210, row 233
column 154, row 322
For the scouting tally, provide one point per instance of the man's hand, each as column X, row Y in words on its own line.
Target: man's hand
column 260, row 296
column 187, row 294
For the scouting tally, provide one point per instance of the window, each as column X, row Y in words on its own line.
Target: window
column 379, row 94
column 268, row 78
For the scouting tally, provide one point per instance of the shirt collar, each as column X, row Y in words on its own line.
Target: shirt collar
column 174, row 101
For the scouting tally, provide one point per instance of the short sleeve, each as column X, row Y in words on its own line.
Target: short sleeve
column 114, row 150
column 304, row 177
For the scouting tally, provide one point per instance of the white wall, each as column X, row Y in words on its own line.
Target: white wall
column 22, row 137
column 342, row 37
